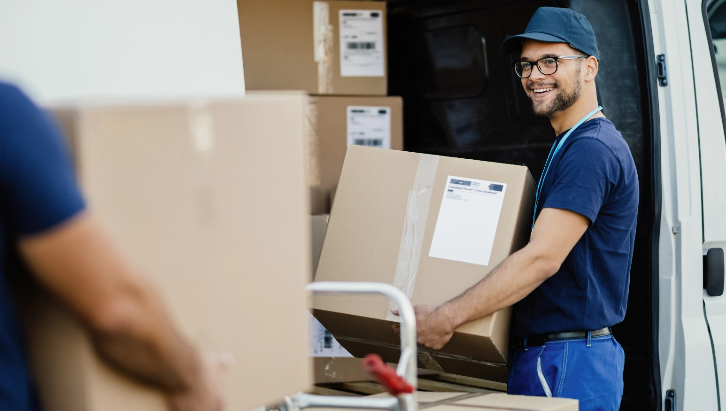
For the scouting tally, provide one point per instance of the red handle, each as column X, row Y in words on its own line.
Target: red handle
column 394, row 383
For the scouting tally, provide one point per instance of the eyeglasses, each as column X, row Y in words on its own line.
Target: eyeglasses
column 545, row 65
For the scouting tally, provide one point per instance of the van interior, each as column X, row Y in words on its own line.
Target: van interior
column 463, row 99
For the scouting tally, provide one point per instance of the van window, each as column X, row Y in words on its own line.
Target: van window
column 716, row 14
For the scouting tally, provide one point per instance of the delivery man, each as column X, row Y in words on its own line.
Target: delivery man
column 44, row 218
column 570, row 283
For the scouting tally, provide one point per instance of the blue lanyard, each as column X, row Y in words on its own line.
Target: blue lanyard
column 552, row 155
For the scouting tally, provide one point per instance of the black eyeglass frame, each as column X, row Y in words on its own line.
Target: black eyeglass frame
column 536, row 63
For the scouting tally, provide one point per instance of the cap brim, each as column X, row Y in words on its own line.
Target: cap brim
column 513, row 44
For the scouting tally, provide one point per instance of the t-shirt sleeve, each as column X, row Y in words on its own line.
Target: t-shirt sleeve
column 585, row 176
column 36, row 177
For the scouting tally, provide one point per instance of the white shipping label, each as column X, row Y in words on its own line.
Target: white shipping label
column 361, row 43
column 322, row 342
column 468, row 220
column 369, row 126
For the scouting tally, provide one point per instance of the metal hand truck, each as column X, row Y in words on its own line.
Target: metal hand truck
column 401, row 383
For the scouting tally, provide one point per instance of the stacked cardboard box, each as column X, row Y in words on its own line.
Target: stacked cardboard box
column 322, row 47
column 335, row 123
column 459, row 401
column 331, row 362
column 195, row 197
column 432, row 226
column 336, row 52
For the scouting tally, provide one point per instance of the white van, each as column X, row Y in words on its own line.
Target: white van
column 659, row 83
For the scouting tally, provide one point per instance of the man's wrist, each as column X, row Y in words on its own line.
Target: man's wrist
column 451, row 315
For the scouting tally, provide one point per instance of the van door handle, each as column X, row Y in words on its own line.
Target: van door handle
column 662, row 71
column 713, row 272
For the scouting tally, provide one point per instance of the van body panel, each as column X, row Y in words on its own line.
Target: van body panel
column 686, row 357
column 713, row 170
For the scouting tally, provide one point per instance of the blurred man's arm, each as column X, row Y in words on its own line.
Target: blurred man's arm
column 128, row 322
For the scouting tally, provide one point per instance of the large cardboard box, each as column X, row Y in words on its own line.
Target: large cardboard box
column 463, row 401
column 204, row 200
column 433, row 226
column 322, row 47
column 331, row 362
column 334, row 123
column 318, row 225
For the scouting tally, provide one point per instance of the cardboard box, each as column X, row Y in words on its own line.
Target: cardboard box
column 331, row 362
column 318, row 225
column 336, row 122
column 299, row 45
column 433, row 226
column 178, row 189
column 463, row 401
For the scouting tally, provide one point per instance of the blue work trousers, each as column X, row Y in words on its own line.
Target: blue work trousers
column 588, row 370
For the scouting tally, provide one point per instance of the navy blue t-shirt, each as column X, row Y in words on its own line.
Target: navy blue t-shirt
column 594, row 175
column 38, row 190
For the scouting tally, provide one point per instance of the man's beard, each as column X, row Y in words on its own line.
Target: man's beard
column 563, row 101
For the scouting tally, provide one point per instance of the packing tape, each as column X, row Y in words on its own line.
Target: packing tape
column 201, row 127
column 417, row 210
column 311, row 144
column 323, row 50
column 446, row 401
column 201, row 131
column 431, row 353
column 428, row 361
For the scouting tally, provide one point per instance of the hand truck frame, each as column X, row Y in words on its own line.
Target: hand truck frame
column 406, row 365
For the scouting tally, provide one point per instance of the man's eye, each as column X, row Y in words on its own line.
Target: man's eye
column 549, row 62
column 526, row 65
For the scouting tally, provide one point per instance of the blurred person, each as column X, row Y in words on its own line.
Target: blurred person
column 569, row 285
column 45, row 219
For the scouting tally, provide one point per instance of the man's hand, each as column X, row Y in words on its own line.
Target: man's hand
column 433, row 325
column 206, row 393
column 126, row 318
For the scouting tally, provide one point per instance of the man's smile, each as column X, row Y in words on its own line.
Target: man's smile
column 541, row 91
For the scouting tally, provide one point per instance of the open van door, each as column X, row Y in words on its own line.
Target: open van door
column 707, row 21
column 692, row 157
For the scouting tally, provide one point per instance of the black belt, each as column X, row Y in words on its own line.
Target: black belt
column 541, row 339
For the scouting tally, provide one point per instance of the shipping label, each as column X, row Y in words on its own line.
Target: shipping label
column 361, row 43
column 369, row 126
column 322, row 342
column 468, row 219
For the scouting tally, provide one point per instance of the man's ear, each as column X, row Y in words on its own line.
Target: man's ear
column 591, row 67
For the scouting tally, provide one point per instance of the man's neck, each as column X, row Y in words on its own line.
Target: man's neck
column 564, row 120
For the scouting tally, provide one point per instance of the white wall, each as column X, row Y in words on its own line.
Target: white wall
column 60, row 50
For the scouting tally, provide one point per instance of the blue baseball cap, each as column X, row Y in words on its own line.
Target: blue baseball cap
column 556, row 25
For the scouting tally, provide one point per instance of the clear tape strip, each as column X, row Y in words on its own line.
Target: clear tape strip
column 417, row 210
column 323, row 48
column 437, row 354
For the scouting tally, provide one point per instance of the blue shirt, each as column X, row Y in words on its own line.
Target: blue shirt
column 37, row 191
column 594, row 175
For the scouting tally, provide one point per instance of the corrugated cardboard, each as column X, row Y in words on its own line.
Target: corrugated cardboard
column 279, row 44
column 318, row 225
column 327, row 139
column 195, row 196
column 363, row 241
column 331, row 362
column 462, row 401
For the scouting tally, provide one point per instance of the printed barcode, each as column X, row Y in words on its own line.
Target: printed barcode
column 327, row 340
column 369, row 142
column 362, row 46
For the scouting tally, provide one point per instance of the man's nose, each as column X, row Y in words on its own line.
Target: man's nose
column 536, row 74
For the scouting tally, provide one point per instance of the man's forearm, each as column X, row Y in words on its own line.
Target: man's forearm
column 145, row 345
column 509, row 282
column 124, row 315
